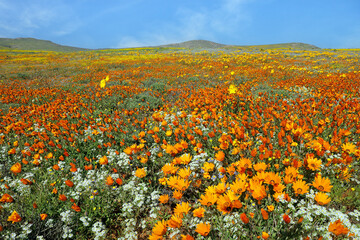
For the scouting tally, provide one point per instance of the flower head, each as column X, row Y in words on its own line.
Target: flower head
column 322, row 198
column 14, row 217
column 140, row 173
column 16, row 168
column 203, row 229
column 338, row 228
column 322, row 184
column 300, row 187
column 232, row 89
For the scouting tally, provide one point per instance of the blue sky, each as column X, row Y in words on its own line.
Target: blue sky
column 134, row 23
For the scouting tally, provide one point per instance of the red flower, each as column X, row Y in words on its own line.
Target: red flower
column 286, row 218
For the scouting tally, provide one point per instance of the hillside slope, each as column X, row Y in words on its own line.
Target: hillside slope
column 34, row 44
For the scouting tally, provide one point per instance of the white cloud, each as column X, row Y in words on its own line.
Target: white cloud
column 203, row 24
column 30, row 16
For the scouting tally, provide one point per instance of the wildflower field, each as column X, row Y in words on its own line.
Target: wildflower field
column 173, row 144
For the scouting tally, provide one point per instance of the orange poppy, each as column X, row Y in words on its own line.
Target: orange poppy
column 16, row 168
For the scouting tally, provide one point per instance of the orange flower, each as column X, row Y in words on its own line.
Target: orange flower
column 260, row 167
column 76, row 207
column 177, row 194
column 62, row 197
column 14, row 217
column 265, row 235
column 185, row 158
column 43, row 216
column 338, row 228
column 322, row 184
column 175, row 221
column 199, row 212
column 186, row 237
column 208, row 199
column 119, row 181
column 140, row 173
column 160, row 228
column 109, row 181
column 164, row 199
column 6, row 198
column 69, row 183
column 313, row 163
column 264, row 214
column 238, row 186
column 286, row 218
column 26, row 181
column 322, row 198
column 203, row 229
column 220, row 156
column 103, row 160
column 244, row 218
column 12, row 151
column 270, row 208
column 182, row 208
column 300, row 187
column 16, row 168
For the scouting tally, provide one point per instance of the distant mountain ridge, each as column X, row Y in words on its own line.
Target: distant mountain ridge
column 195, row 44
column 204, row 44
column 35, row 44
column 45, row 45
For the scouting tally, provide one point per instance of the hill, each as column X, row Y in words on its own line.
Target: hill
column 34, row 44
column 201, row 44
column 292, row 46
column 204, row 44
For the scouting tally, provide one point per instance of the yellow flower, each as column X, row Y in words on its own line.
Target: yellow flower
column 103, row 81
column 232, row 89
column 349, row 147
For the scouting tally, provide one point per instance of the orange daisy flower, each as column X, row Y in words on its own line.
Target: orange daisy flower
column 322, row 184
column 203, row 229
column 300, row 187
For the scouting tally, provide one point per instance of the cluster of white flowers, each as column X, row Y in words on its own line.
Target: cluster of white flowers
column 129, row 231
column 310, row 211
column 231, row 224
column 49, row 223
column 85, row 220
column 99, row 230
column 123, row 161
column 66, row 217
column 67, row 232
